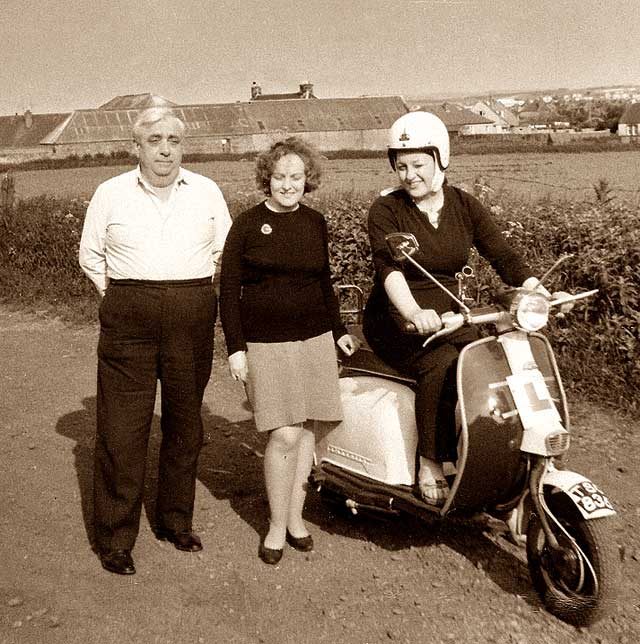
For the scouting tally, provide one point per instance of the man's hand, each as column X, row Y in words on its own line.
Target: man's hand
column 238, row 365
column 349, row 344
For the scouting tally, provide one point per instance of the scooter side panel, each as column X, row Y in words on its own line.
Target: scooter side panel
column 377, row 437
column 490, row 459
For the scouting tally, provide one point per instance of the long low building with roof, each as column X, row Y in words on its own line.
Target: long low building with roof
column 331, row 124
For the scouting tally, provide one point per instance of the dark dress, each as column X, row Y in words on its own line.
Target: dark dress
column 464, row 223
column 277, row 303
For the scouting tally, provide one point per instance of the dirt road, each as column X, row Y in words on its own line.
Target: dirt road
column 367, row 581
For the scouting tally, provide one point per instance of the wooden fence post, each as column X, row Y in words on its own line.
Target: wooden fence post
column 7, row 196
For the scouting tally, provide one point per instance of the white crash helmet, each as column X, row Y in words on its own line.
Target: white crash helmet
column 419, row 131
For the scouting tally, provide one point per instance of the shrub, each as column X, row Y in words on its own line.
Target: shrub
column 38, row 252
column 596, row 345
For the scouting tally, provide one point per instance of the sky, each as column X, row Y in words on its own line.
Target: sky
column 60, row 55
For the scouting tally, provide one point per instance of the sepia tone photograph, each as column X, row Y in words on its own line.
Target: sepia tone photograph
column 319, row 322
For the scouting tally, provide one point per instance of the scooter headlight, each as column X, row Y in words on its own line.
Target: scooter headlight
column 531, row 311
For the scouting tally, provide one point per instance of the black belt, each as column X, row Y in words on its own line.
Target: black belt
column 200, row 281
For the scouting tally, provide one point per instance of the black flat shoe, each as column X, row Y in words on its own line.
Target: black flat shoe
column 186, row 540
column 270, row 556
column 118, row 562
column 304, row 544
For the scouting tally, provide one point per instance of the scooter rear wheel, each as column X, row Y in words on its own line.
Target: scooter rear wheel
column 562, row 579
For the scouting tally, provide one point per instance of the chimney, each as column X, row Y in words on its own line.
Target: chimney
column 256, row 90
column 306, row 90
column 28, row 119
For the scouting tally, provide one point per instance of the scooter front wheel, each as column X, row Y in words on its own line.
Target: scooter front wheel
column 576, row 585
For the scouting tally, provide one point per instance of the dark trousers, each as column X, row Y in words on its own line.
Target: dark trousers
column 436, row 397
column 150, row 332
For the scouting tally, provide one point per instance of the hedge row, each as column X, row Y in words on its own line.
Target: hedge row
column 597, row 345
column 480, row 144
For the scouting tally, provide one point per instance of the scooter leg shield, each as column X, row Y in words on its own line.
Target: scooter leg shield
column 490, row 461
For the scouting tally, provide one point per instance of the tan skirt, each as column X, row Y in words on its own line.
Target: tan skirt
column 291, row 382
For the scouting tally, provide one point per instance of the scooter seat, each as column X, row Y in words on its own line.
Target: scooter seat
column 366, row 361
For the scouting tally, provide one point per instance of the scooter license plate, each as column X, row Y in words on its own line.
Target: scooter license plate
column 590, row 498
column 532, row 398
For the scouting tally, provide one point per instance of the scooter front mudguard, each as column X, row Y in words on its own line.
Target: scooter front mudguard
column 590, row 501
column 588, row 498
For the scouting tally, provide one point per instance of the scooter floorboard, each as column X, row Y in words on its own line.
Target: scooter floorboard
column 361, row 490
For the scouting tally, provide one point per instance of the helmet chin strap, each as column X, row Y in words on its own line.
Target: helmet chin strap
column 438, row 179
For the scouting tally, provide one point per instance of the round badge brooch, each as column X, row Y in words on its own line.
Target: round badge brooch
column 266, row 229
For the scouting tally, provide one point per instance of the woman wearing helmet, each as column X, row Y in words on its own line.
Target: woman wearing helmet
column 447, row 223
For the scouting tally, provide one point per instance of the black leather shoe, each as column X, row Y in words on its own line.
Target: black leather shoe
column 186, row 540
column 304, row 544
column 118, row 561
column 270, row 556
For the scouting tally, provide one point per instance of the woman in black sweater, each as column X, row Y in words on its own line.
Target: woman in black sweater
column 281, row 319
column 447, row 222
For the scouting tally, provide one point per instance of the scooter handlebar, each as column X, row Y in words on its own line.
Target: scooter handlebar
column 453, row 321
column 572, row 298
column 450, row 322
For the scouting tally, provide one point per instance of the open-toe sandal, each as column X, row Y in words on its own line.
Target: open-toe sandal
column 434, row 493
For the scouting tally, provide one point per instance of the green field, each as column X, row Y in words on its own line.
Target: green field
column 567, row 176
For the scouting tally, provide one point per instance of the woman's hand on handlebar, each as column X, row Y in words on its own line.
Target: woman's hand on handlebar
column 426, row 321
column 238, row 365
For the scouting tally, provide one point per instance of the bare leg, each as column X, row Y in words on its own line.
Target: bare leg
column 304, row 461
column 280, row 465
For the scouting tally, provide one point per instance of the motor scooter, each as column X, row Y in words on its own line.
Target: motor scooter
column 513, row 428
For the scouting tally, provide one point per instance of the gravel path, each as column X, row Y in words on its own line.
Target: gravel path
column 367, row 581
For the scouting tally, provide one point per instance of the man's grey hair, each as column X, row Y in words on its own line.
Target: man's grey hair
column 153, row 115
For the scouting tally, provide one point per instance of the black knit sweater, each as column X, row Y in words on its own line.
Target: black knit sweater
column 275, row 283
column 464, row 222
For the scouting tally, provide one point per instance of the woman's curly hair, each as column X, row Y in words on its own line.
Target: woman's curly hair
column 311, row 158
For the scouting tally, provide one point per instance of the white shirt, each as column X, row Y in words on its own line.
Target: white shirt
column 130, row 232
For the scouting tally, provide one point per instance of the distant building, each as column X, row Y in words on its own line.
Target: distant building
column 136, row 102
column 629, row 123
column 305, row 92
column 538, row 114
column 502, row 118
column 21, row 135
column 510, row 102
column 459, row 120
column 332, row 124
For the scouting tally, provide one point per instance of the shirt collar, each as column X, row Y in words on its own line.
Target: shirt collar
column 140, row 180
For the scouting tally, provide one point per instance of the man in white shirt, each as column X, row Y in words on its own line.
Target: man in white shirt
column 151, row 243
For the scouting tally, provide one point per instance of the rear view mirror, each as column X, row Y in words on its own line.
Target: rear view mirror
column 401, row 244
